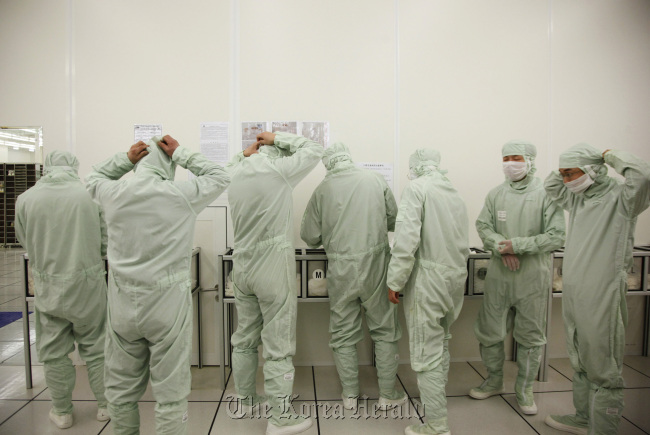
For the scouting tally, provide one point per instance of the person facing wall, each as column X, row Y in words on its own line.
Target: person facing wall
column 150, row 219
column 64, row 234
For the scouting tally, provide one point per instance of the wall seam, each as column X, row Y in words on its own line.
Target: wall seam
column 550, row 87
column 70, row 70
column 396, row 179
column 235, row 136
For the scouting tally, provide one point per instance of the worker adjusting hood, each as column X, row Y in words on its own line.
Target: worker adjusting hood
column 590, row 161
column 423, row 162
column 156, row 162
column 337, row 156
column 273, row 152
column 60, row 166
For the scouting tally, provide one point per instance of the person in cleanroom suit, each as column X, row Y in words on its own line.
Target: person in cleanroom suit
column 429, row 264
column 350, row 214
column 521, row 226
column 65, row 237
column 264, row 269
column 150, row 219
column 602, row 216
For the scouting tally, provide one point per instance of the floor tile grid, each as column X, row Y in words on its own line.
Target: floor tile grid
column 221, row 399
column 503, row 396
column 27, row 402
column 411, row 400
column 504, row 399
column 15, row 340
column 313, row 380
column 638, row 371
column 633, row 424
column 214, row 418
column 318, row 410
column 627, row 388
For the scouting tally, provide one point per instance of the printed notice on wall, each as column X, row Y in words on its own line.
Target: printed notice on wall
column 214, row 141
column 249, row 132
column 384, row 169
column 144, row 132
column 284, row 127
column 317, row 131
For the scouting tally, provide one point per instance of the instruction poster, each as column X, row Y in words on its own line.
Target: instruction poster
column 249, row 132
column 284, row 127
column 317, row 131
column 213, row 141
column 144, row 132
column 384, row 169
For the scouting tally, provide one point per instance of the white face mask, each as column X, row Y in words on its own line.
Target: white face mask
column 515, row 171
column 579, row 185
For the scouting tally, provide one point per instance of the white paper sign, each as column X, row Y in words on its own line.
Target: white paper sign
column 144, row 132
column 318, row 131
column 284, row 126
column 385, row 169
column 214, row 141
column 250, row 130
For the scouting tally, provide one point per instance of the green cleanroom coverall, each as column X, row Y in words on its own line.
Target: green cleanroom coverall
column 429, row 264
column 350, row 214
column 521, row 212
column 150, row 219
column 597, row 257
column 64, row 234
column 264, row 267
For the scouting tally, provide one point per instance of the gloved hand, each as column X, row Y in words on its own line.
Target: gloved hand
column 510, row 261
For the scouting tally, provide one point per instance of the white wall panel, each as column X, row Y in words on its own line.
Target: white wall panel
column 33, row 68
column 473, row 75
column 321, row 61
column 601, row 79
column 148, row 62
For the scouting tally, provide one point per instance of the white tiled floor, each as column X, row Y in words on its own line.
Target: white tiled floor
column 25, row 411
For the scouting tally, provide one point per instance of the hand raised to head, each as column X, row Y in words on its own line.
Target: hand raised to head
column 137, row 152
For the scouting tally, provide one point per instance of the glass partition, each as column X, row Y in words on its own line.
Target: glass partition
column 21, row 145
